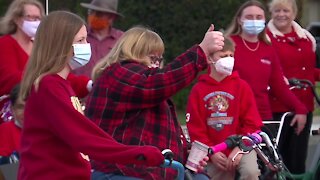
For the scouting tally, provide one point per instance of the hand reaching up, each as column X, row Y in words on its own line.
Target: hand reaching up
column 212, row 42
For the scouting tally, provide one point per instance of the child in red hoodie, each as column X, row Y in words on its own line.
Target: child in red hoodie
column 221, row 104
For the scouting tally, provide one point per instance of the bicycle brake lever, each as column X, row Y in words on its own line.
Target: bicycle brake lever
column 239, row 152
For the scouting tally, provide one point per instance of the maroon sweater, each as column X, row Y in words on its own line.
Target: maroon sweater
column 56, row 134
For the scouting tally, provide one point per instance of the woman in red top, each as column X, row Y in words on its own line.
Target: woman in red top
column 57, row 139
column 258, row 64
column 18, row 28
column 295, row 47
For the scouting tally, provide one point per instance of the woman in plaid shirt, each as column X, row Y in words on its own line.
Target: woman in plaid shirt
column 130, row 98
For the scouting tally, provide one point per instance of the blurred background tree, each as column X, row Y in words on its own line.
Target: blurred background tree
column 181, row 23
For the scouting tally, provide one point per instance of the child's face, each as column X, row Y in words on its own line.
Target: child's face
column 221, row 54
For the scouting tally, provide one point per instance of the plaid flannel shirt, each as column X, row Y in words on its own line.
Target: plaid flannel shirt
column 132, row 103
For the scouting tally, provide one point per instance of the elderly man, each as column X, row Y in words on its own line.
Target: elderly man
column 101, row 35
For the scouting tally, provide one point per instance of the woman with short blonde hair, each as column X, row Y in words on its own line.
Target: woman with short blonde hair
column 295, row 47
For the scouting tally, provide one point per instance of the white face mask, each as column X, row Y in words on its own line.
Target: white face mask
column 30, row 28
column 82, row 54
column 253, row 27
column 225, row 65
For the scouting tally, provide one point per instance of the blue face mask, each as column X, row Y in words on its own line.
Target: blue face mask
column 253, row 27
column 82, row 54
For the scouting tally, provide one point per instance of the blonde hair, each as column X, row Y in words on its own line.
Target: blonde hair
column 135, row 44
column 51, row 49
column 235, row 28
column 285, row 3
column 15, row 11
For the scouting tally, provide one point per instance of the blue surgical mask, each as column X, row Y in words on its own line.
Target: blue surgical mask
column 82, row 54
column 253, row 27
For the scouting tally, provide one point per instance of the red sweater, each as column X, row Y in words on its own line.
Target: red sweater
column 298, row 60
column 261, row 68
column 9, row 138
column 13, row 59
column 55, row 133
column 220, row 109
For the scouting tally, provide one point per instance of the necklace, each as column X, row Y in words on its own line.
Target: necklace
column 244, row 42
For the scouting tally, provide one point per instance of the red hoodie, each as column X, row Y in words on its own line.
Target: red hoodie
column 220, row 109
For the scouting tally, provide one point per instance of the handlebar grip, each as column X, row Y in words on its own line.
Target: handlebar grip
column 217, row 148
column 256, row 138
column 230, row 142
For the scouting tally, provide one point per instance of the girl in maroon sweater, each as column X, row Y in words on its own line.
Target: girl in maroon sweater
column 258, row 64
column 57, row 140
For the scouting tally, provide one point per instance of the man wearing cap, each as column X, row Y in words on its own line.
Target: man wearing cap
column 101, row 35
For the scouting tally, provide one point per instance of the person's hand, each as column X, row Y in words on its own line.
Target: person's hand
column 300, row 120
column 202, row 164
column 213, row 41
column 231, row 165
column 219, row 160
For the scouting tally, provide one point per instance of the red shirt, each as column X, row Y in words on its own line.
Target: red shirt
column 99, row 49
column 261, row 69
column 131, row 102
column 55, row 134
column 298, row 60
column 10, row 135
column 220, row 109
column 12, row 62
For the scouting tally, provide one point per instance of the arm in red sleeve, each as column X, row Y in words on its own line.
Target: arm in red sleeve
column 79, row 84
column 13, row 60
column 281, row 90
column 250, row 120
column 196, row 113
column 83, row 135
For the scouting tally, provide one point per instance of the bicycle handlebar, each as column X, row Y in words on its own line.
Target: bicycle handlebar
column 169, row 162
column 175, row 165
column 264, row 136
column 230, row 142
column 302, row 84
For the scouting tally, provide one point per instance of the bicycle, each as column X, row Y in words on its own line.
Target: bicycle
column 294, row 84
column 272, row 160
